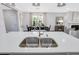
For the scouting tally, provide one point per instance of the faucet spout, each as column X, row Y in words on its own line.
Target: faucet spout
column 39, row 30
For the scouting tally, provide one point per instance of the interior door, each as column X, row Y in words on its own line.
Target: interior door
column 11, row 20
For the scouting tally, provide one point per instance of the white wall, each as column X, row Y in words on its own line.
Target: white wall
column 2, row 25
column 51, row 19
column 25, row 20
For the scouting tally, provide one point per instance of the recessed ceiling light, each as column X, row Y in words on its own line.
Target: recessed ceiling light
column 61, row 4
column 35, row 4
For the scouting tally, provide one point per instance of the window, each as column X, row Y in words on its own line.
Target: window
column 37, row 19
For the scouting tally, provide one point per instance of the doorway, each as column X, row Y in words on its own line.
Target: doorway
column 11, row 20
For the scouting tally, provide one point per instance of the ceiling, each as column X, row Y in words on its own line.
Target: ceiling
column 47, row 7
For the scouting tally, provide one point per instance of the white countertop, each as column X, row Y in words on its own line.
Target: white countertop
column 9, row 43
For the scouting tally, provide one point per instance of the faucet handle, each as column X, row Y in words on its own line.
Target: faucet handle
column 46, row 35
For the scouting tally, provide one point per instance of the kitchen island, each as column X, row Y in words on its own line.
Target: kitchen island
column 67, row 44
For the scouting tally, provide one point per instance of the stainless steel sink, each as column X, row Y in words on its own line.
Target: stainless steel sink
column 38, row 42
column 30, row 42
column 48, row 42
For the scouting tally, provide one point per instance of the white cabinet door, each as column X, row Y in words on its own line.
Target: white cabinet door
column 11, row 20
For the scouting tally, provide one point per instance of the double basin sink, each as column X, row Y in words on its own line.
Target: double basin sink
column 38, row 42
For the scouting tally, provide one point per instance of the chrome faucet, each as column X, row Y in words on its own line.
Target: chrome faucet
column 40, row 34
column 40, row 29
